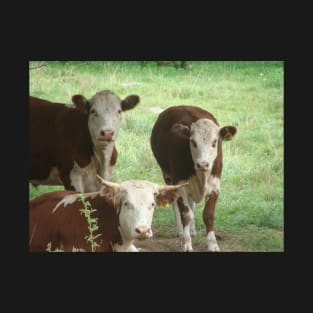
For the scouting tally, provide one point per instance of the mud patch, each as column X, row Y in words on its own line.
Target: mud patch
column 170, row 243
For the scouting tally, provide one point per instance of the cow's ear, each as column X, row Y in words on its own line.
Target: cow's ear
column 130, row 102
column 228, row 132
column 166, row 194
column 181, row 130
column 165, row 198
column 81, row 103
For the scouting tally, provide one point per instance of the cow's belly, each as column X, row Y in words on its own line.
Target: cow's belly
column 202, row 184
column 51, row 180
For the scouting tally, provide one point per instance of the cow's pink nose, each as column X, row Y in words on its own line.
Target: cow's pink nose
column 141, row 230
column 204, row 166
column 107, row 134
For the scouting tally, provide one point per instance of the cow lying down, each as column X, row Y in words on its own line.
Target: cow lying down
column 124, row 213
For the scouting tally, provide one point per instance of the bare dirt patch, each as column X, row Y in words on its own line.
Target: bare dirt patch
column 171, row 243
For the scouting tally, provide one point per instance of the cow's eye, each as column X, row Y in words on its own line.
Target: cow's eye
column 119, row 111
column 125, row 203
column 193, row 143
column 93, row 111
column 214, row 143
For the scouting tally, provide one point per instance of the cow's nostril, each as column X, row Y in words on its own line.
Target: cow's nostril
column 202, row 165
column 107, row 134
column 142, row 230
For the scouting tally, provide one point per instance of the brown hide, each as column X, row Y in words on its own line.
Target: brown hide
column 67, row 227
column 58, row 136
column 172, row 152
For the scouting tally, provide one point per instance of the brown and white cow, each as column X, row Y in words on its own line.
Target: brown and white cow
column 124, row 213
column 70, row 145
column 187, row 144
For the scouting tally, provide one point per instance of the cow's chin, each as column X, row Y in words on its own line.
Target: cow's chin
column 203, row 171
column 103, row 143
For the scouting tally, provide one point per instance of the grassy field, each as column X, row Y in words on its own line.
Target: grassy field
column 248, row 95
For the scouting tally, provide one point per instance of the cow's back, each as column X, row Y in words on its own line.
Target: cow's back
column 43, row 226
column 172, row 152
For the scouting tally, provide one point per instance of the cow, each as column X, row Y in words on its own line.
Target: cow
column 123, row 211
column 187, row 144
column 69, row 145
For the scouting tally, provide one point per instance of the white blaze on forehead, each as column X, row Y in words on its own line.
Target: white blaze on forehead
column 137, row 206
column 203, row 133
column 202, row 127
column 104, row 113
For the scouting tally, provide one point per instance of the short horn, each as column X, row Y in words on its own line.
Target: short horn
column 109, row 184
column 170, row 187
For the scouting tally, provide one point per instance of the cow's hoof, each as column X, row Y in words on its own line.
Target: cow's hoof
column 213, row 247
column 187, row 248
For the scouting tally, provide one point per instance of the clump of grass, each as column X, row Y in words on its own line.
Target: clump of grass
column 48, row 249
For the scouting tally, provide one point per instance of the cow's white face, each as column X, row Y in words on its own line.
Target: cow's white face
column 204, row 136
column 104, row 111
column 137, row 202
column 105, row 114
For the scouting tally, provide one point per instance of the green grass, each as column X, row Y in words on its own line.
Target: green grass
column 248, row 95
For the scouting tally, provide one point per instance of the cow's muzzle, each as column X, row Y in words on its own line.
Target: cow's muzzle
column 202, row 166
column 106, row 136
column 143, row 232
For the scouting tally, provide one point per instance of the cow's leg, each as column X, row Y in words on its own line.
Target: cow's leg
column 177, row 220
column 186, row 217
column 208, row 218
column 76, row 179
column 132, row 248
column 192, row 205
column 67, row 182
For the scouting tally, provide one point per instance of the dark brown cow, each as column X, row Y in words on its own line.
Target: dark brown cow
column 70, row 145
column 187, row 144
column 124, row 213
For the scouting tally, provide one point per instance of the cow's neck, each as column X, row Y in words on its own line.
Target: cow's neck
column 102, row 157
column 201, row 184
column 198, row 185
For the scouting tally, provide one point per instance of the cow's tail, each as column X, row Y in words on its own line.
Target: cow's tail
column 72, row 198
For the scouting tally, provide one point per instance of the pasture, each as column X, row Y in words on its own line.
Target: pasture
column 247, row 94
